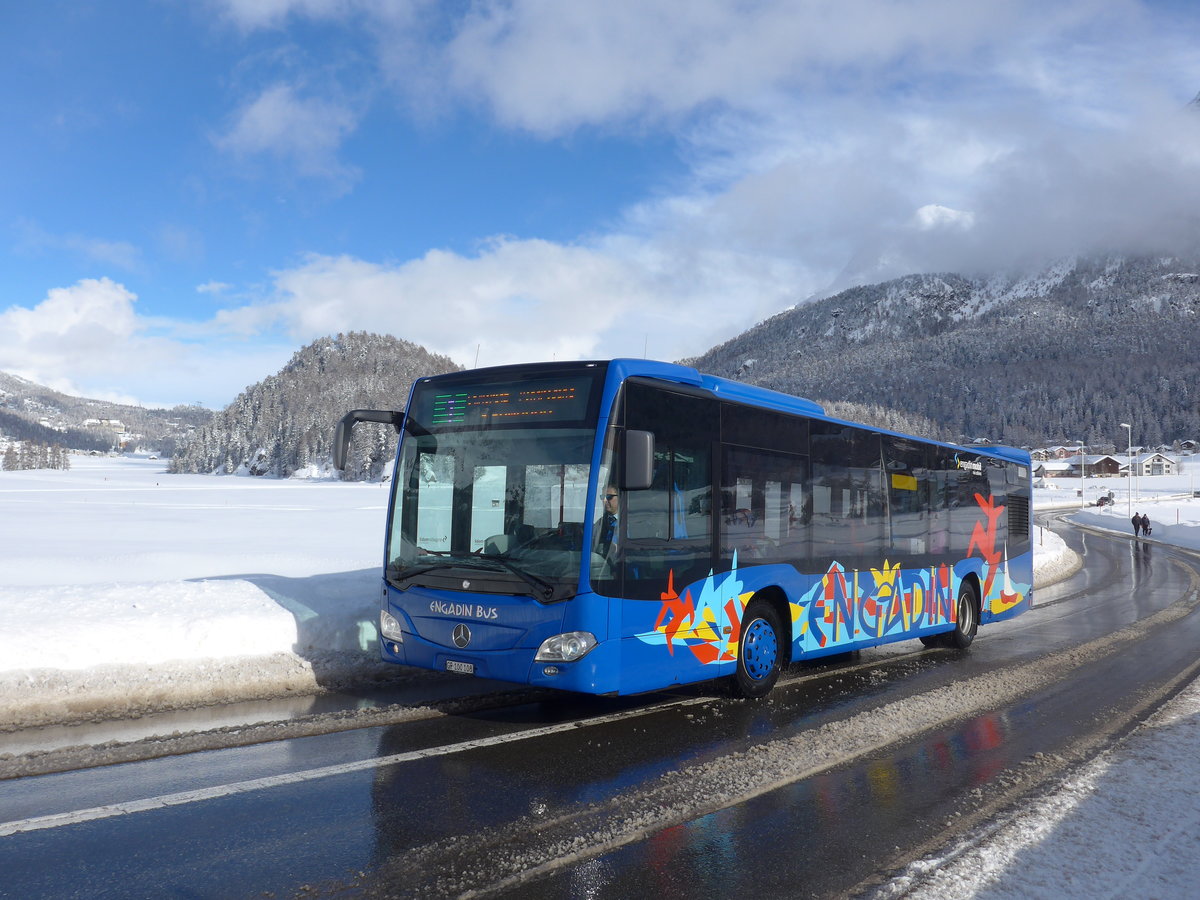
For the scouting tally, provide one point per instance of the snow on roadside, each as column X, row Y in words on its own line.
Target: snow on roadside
column 125, row 590
column 1053, row 560
column 1125, row 825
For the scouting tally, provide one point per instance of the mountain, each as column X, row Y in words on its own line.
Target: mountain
column 1064, row 354
column 33, row 412
column 284, row 424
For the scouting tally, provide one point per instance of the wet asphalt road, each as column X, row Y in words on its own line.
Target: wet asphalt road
column 671, row 793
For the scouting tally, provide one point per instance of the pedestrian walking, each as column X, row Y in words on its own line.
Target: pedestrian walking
column 1137, row 524
column 1145, row 525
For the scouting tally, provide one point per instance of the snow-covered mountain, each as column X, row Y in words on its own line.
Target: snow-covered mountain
column 34, row 412
column 1067, row 353
column 284, row 424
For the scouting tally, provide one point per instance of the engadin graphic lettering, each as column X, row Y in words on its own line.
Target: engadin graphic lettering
column 840, row 607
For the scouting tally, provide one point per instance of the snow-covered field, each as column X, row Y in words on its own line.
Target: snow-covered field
column 124, row 590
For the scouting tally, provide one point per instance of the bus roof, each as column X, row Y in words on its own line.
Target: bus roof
column 738, row 391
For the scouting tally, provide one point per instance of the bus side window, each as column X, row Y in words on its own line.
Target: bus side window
column 668, row 527
column 849, row 508
column 909, row 496
column 765, row 506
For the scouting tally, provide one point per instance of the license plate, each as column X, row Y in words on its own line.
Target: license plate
column 462, row 668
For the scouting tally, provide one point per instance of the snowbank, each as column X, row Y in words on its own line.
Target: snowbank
column 126, row 590
column 1125, row 825
column 1053, row 560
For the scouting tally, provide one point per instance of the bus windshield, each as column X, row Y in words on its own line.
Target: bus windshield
column 492, row 483
column 505, row 506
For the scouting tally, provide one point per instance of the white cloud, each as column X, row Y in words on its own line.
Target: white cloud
column 305, row 131
column 530, row 300
column 933, row 216
column 814, row 130
column 827, row 143
column 253, row 14
column 549, row 67
column 88, row 340
column 73, row 333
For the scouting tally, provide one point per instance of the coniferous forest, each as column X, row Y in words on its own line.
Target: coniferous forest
column 285, row 423
column 1065, row 354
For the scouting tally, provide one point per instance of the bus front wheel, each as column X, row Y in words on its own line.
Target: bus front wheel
column 760, row 650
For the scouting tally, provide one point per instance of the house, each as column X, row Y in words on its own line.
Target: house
column 1154, row 464
column 1053, row 469
column 1099, row 464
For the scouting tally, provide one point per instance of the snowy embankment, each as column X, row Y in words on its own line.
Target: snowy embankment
column 125, row 590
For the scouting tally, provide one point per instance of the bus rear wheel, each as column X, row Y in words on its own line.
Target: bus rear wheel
column 968, row 618
column 760, row 651
column 965, row 626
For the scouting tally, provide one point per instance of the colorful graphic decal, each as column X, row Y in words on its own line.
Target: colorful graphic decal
column 841, row 607
column 709, row 626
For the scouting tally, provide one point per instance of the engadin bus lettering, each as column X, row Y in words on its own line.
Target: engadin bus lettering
column 466, row 610
column 641, row 525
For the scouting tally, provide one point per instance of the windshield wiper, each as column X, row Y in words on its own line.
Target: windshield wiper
column 468, row 560
column 546, row 588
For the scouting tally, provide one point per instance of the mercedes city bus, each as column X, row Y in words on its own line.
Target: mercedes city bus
column 621, row 526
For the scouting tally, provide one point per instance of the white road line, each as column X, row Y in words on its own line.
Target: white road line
column 78, row 816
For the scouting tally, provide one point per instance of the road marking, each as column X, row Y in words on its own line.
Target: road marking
column 75, row 817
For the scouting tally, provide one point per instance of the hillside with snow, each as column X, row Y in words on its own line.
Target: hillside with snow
column 1067, row 353
column 284, row 424
column 34, row 412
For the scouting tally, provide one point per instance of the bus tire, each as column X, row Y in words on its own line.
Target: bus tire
column 967, row 615
column 761, row 651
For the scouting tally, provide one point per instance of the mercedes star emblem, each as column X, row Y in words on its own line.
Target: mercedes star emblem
column 462, row 635
column 466, row 585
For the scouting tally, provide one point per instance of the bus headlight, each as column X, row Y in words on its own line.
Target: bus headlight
column 566, row 647
column 389, row 627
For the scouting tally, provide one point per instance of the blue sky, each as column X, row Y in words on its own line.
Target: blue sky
column 190, row 191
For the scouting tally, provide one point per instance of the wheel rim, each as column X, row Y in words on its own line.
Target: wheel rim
column 966, row 613
column 760, row 649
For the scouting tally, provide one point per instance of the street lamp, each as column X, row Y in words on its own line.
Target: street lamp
column 1129, row 471
column 1082, row 474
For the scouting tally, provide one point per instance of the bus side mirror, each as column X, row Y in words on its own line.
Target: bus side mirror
column 639, row 460
column 341, row 435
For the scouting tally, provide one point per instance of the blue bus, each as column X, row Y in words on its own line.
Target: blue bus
column 622, row 526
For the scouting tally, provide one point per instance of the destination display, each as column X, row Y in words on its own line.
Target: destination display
column 558, row 400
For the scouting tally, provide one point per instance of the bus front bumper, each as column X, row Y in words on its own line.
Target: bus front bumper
column 592, row 674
